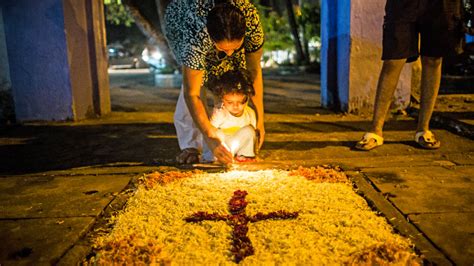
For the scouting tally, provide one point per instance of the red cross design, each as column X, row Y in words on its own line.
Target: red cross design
column 238, row 219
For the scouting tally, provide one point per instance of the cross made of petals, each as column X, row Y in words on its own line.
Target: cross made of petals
column 238, row 220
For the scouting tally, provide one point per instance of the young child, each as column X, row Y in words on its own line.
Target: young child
column 234, row 119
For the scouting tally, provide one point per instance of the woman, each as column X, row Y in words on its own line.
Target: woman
column 207, row 39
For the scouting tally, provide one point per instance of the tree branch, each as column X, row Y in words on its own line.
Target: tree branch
column 154, row 34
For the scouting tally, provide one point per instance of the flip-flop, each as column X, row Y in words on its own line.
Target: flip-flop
column 369, row 141
column 243, row 159
column 188, row 156
column 427, row 140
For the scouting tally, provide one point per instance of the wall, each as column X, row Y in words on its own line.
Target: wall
column 335, row 53
column 87, row 56
column 57, row 58
column 4, row 68
column 365, row 58
column 99, row 57
column 344, row 52
column 6, row 101
column 75, row 23
column 351, row 35
column 37, row 54
column 328, row 51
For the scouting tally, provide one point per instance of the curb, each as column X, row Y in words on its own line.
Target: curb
column 450, row 124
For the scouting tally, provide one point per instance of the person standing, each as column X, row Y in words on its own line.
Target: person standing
column 430, row 28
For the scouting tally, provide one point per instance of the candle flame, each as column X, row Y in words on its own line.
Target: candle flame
column 233, row 147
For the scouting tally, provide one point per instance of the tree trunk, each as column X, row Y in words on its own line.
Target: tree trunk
column 151, row 30
column 300, row 56
column 305, row 45
column 161, row 7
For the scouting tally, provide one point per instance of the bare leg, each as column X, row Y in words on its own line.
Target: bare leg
column 386, row 86
column 245, row 137
column 430, row 80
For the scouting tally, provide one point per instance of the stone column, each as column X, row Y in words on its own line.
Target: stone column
column 6, row 101
column 351, row 49
column 53, row 53
column 99, row 57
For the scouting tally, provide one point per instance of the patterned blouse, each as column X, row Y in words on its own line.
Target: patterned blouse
column 191, row 44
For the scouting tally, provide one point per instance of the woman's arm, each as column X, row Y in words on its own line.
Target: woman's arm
column 192, row 80
column 253, row 65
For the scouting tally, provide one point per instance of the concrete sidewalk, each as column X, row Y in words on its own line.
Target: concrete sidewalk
column 59, row 180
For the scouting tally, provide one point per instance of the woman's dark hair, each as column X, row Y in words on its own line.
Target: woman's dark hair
column 233, row 81
column 225, row 22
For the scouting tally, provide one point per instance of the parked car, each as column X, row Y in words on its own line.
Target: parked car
column 152, row 56
column 120, row 57
column 117, row 51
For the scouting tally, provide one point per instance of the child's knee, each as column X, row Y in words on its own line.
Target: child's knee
column 248, row 130
column 220, row 134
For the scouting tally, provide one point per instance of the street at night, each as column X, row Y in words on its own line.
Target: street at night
column 236, row 132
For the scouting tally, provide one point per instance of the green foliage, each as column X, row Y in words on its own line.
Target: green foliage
column 310, row 18
column 108, row 2
column 116, row 13
column 278, row 33
column 276, row 29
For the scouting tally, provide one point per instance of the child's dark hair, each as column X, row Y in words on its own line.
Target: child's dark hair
column 233, row 81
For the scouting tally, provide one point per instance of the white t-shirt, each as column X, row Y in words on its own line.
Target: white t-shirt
column 229, row 124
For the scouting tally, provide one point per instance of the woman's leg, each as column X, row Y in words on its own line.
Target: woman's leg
column 187, row 132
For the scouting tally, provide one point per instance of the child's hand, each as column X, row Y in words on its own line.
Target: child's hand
column 260, row 135
column 219, row 150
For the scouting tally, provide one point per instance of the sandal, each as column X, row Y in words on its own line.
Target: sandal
column 427, row 140
column 188, row 156
column 243, row 159
column 369, row 141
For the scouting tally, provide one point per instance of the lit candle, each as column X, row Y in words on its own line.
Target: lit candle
column 233, row 147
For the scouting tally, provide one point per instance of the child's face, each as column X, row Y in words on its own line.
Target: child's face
column 235, row 103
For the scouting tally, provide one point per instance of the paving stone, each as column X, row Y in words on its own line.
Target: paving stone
column 339, row 144
column 425, row 189
column 461, row 158
column 118, row 146
column 453, row 233
column 57, row 196
column 39, row 241
column 74, row 255
column 393, row 161
column 114, row 169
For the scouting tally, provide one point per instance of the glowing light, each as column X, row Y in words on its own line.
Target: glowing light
column 225, row 146
column 241, row 174
column 156, row 55
column 233, row 146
